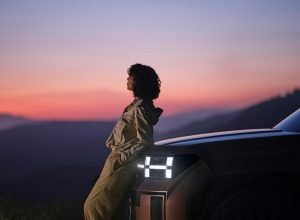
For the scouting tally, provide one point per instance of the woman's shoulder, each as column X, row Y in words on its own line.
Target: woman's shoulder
column 139, row 104
column 131, row 105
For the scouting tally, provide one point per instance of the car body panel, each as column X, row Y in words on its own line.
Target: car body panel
column 243, row 160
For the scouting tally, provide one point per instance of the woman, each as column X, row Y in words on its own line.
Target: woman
column 132, row 134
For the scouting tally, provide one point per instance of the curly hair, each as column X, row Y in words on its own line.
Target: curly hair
column 147, row 83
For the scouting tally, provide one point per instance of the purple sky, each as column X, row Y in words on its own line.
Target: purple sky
column 68, row 59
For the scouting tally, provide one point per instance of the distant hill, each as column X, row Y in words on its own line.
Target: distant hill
column 27, row 149
column 265, row 114
column 167, row 123
column 8, row 121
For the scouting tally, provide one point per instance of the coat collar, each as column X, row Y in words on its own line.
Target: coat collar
column 136, row 102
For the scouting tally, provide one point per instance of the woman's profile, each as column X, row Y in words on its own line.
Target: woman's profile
column 132, row 134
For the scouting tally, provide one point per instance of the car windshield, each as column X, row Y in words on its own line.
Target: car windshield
column 291, row 123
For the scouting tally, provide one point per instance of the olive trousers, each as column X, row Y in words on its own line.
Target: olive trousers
column 109, row 190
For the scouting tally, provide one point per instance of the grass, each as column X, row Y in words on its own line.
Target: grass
column 11, row 209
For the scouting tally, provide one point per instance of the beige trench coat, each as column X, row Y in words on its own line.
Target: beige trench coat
column 132, row 134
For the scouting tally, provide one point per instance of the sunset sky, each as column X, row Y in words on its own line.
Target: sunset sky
column 68, row 59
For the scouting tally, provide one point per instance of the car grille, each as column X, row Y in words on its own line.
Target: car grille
column 157, row 208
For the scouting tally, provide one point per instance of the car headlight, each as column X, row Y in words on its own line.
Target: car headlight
column 165, row 167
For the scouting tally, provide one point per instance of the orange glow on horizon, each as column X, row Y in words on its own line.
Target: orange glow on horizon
column 107, row 105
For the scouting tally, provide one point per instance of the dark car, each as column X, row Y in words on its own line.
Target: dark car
column 243, row 174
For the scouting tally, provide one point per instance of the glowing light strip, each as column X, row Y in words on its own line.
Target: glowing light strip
column 147, row 160
column 168, row 173
column 158, row 167
column 148, row 167
column 169, row 161
column 147, row 172
column 141, row 166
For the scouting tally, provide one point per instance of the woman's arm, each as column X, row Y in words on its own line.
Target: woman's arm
column 144, row 137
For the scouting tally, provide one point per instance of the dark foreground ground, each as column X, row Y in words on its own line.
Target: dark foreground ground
column 12, row 209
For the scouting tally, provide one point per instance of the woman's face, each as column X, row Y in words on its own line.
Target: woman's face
column 130, row 82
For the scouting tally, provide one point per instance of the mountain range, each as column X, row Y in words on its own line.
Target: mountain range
column 265, row 114
column 62, row 159
column 8, row 121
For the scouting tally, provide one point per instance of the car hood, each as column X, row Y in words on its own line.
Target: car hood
column 222, row 136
